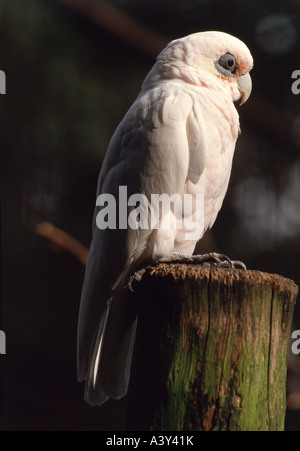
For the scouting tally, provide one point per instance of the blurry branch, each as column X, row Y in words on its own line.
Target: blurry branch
column 272, row 118
column 63, row 240
column 293, row 401
column 120, row 24
column 294, row 365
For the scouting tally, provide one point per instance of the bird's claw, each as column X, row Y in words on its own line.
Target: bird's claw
column 136, row 277
column 221, row 260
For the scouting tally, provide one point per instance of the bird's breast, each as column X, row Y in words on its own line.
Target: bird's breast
column 218, row 120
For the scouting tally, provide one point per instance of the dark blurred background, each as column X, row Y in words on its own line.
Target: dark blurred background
column 73, row 68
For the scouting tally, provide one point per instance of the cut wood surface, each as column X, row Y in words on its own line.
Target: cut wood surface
column 211, row 349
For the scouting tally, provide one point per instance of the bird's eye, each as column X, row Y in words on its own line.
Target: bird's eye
column 227, row 64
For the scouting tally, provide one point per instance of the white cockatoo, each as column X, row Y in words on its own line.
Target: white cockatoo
column 178, row 137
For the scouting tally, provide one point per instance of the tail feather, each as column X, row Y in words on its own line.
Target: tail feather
column 94, row 394
column 110, row 364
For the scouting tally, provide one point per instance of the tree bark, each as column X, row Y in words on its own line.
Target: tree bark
column 211, row 349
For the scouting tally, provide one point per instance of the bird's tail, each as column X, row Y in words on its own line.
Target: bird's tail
column 109, row 369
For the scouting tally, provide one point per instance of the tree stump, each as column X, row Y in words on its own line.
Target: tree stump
column 211, row 349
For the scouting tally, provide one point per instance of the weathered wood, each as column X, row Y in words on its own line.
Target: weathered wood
column 211, row 349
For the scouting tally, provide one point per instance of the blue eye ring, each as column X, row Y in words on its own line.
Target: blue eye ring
column 227, row 65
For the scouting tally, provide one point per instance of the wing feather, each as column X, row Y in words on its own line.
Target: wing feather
column 148, row 153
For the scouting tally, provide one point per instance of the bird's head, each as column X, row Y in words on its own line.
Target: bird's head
column 207, row 58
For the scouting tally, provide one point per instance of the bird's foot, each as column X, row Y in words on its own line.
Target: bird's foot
column 208, row 260
column 212, row 259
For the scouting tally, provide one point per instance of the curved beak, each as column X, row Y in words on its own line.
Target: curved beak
column 245, row 86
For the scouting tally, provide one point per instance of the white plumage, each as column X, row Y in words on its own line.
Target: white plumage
column 178, row 137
